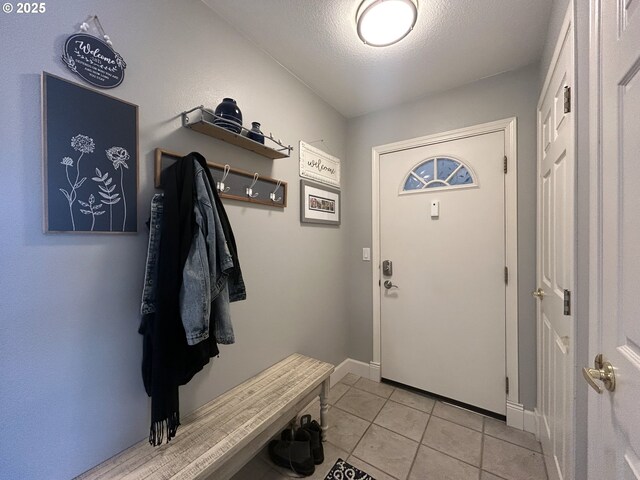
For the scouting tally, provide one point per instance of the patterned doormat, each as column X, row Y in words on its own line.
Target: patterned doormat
column 343, row 471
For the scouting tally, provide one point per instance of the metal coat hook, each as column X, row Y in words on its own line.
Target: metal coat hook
column 220, row 185
column 249, row 190
column 272, row 195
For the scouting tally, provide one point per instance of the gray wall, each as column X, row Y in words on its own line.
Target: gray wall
column 71, row 393
column 558, row 11
column 506, row 95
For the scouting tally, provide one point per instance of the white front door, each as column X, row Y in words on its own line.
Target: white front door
column 614, row 417
column 442, row 225
column 556, row 178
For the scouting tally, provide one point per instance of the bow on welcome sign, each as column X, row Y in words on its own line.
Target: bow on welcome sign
column 93, row 59
column 318, row 165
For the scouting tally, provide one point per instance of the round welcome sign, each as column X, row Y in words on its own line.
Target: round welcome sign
column 94, row 60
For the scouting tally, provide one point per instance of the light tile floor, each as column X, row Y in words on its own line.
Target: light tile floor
column 394, row 434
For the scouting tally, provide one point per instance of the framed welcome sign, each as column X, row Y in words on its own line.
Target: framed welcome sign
column 90, row 150
column 319, row 166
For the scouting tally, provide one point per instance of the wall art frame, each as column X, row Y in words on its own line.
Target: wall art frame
column 319, row 166
column 319, row 204
column 90, row 159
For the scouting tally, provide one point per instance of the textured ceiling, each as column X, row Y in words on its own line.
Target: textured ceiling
column 453, row 43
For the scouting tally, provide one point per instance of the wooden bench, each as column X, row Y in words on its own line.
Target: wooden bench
column 220, row 437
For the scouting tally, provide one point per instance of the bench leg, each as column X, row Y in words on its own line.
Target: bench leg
column 324, row 409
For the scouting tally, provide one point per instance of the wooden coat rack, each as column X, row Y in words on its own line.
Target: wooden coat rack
column 233, row 183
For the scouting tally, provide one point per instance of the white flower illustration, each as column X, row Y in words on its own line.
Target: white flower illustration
column 109, row 197
column 119, row 156
column 82, row 143
column 94, row 209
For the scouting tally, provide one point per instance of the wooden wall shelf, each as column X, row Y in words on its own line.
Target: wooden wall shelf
column 201, row 120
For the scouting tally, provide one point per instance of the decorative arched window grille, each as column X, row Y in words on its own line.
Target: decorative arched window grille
column 438, row 173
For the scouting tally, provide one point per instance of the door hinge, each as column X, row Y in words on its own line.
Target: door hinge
column 505, row 164
column 507, row 385
column 506, row 275
column 567, row 99
column 567, row 302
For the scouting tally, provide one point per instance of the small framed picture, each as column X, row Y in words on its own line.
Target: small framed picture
column 319, row 204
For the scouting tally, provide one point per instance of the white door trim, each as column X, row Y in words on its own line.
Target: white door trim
column 508, row 126
column 596, row 467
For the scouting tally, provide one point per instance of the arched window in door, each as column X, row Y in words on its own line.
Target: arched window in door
column 438, row 173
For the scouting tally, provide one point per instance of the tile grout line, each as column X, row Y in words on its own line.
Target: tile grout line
column 372, row 423
column 464, row 410
column 413, row 462
column 377, row 395
column 360, row 440
column 451, row 456
column 399, row 434
column 513, row 443
column 491, row 473
column 365, row 433
column 394, row 401
column 343, row 393
column 484, row 423
column 357, row 416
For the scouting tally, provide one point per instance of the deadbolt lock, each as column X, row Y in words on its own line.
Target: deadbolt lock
column 387, row 268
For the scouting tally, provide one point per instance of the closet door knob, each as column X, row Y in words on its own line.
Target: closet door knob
column 538, row 293
column 602, row 373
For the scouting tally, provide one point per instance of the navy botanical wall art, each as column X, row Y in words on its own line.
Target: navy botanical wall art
column 90, row 159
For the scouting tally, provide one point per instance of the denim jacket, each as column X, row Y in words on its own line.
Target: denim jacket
column 204, row 294
column 237, row 289
column 148, row 304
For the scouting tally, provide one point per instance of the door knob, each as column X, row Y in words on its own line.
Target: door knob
column 538, row 293
column 388, row 285
column 603, row 372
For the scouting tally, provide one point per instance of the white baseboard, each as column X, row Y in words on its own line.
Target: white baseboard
column 531, row 422
column 515, row 415
column 374, row 371
column 518, row 417
column 538, row 422
column 350, row 365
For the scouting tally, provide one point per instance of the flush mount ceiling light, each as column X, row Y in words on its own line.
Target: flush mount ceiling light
column 385, row 22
